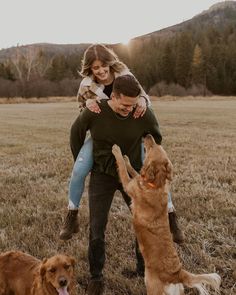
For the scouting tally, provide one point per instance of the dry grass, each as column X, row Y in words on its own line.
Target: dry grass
column 35, row 165
column 5, row 100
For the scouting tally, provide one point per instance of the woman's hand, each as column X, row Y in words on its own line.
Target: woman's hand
column 92, row 105
column 140, row 108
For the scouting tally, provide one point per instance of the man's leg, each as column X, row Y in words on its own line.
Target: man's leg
column 101, row 191
column 139, row 258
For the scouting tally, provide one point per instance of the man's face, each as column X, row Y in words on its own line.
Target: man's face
column 123, row 105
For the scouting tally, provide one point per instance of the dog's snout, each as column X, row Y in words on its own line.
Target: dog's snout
column 62, row 282
column 149, row 140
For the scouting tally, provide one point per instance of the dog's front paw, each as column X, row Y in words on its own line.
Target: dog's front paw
column 116, row 151
column 126, row 158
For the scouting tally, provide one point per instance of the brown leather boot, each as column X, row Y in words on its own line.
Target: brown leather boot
column 178, row 235
column 95, row 287
column 70, row 226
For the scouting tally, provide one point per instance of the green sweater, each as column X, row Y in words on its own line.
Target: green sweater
column 109, row 128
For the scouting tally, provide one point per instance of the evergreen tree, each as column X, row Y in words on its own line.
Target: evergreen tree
column 6, row 71
column 167, row 63
column 184, row 55
column 59, row 69
column 74, row 64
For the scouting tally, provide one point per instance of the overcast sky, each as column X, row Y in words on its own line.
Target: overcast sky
column 75, row 21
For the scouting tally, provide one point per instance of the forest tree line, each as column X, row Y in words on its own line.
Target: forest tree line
column 192, row 62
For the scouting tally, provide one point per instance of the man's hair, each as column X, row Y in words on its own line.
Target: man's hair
column 126, row 85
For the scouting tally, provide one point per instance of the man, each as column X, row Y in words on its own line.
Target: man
column 114, row 125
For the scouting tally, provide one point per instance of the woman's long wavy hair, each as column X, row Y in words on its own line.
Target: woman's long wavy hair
column 100, row 52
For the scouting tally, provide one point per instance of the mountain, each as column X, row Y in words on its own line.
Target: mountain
column 218, row 15
column 48, row 48
column 219, row 6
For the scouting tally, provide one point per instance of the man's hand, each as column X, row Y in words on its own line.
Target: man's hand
column 140, row 108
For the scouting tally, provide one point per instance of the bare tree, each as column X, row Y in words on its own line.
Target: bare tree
column 30, row 61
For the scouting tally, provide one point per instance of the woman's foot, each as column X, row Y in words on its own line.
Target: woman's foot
column 70, row 226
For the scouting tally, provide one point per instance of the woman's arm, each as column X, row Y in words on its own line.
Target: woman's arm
column 87, row 98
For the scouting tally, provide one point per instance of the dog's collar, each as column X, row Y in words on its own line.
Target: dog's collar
column 150, row 184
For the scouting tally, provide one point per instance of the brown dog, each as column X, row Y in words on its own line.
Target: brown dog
column 164, row 274
column 23, row 274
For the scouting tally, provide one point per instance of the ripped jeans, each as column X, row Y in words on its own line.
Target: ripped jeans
column 82, row 166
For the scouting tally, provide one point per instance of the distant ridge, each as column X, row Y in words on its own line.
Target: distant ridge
column 219, row 6
column 216, row 16
column 49, row 48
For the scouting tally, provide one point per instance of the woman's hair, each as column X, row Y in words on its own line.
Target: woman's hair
column 100, row 52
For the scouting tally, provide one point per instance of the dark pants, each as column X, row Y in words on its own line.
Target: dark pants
column 102, row 188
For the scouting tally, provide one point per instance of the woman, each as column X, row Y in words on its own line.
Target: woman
column 100, row 66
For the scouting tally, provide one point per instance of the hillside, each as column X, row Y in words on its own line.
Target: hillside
column 218, row 15
column 195, row 57
column 48, row 48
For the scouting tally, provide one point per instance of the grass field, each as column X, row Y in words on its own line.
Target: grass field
column 35, row 165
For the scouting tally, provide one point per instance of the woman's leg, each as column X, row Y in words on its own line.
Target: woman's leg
column 81, row 169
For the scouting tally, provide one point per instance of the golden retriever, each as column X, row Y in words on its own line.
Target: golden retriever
column 148, row 190
column 23, row 274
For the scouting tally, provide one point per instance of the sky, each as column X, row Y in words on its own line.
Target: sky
column 24, row 22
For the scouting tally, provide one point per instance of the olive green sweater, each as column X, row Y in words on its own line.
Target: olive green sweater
column 109, row 128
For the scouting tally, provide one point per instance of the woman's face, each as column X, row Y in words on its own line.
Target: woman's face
column 101, row 72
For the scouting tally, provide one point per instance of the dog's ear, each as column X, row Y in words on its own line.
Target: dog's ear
column 164, row 171
column 72, row 261
column 161, row 175
column 43, row 268
column 149, row 172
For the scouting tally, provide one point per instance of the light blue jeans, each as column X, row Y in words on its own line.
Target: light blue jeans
column 83, row 165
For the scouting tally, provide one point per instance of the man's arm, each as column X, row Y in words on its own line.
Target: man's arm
column 152, row 125
column 78, row 131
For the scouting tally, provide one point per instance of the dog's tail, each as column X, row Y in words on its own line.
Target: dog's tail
column 201, row 281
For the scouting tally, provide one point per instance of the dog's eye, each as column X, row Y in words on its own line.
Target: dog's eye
column 53, row 269
column 66, row 266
